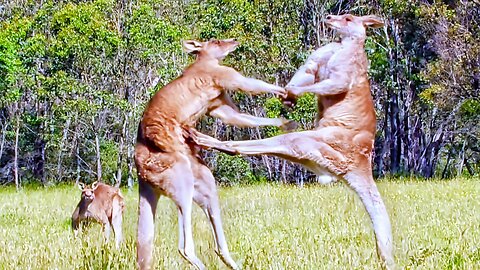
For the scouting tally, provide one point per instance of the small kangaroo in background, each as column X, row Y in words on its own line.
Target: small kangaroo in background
column 101, row 203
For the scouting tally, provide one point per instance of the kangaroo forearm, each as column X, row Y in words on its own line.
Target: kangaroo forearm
column 245, row 120
column 230, row 116
column 325, row 88
column 254, row 86
column 304, row 76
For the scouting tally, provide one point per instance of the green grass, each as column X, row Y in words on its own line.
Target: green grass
column 436, row 225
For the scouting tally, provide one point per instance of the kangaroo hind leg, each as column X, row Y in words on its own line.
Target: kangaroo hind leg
column 207, row 198
column 366, row 189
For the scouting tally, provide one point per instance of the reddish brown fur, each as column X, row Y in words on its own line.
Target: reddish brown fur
column 167, row 165
column 103, row 204
column 340, row 146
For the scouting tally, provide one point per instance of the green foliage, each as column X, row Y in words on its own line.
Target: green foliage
column 273, row 109
column 152, row 34
column 303, row 112
column 264, row 30
column 233, row 170
column 428, row 95
column 223, row 19
column 470, row 108
column 305, row 109
column 109, row 156
column 378, row 59
column 12, row 36
column 451, row 74
column 153, row 38
column 83, row 29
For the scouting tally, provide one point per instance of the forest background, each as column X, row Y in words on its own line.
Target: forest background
column 76, row 75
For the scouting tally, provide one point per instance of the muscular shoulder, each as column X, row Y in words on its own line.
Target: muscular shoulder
column 324, row 53
column 226, row 77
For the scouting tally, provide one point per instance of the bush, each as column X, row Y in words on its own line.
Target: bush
column 233, row 170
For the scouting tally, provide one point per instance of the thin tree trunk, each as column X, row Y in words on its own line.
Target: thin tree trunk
column 265, row 159
column 416, row 145
column 394, row 140
column 444, row 172
column 430, row 156
column 97, row 152
column 284, row 172
column 40, row 167
column 406, row 143
column 2, row 143
column 384, row 144
column 395, row 136
column 461, row 160
column 15, row 164
column 76, row 145
column 469, row 167
column 60, row 149
column 77, row 155
column 130, row 150
column 130, row 157
column 118, row 176
column 130, row 168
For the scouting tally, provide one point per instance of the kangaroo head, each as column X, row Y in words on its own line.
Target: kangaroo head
column 88, row 192
column 348, row 25
column 217, row 49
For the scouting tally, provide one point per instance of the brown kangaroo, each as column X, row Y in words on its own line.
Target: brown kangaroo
column 101, row 203
column 340, row 147
column 168, row 166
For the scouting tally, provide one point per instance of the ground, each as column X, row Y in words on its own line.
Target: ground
column 436, row 225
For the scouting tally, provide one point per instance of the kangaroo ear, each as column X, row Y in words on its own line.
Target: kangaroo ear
column 192, row 46
column 81, row 186
column 372, row 21
column 94, row 185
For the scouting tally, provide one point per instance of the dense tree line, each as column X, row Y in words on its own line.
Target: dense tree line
column 75, row 76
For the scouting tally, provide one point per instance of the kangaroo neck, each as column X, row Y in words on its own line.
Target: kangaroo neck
column 203, row 57
column 353, row 42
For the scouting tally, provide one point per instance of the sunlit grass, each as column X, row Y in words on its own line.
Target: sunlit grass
column 436, row 225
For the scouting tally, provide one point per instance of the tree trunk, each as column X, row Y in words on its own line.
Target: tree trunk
column 39, row 165
column 130, row 151
column 97, row 152
column 130, row 163
column 469, row 167
column 393, row 115
column 60, row 149
column 2, row 143
column 395, row 142
column 461, row 160
column 118, row 177
column 77, row 158
column 444, row 172
column 15, row 164
column 265, row 159
column 430, row 155
column 384, row 144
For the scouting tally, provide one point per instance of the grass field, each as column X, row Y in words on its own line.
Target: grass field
column 436, row 225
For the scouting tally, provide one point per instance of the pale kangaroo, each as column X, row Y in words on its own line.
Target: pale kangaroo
column 169, row 166
column 340, row 146
column 101, row 203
